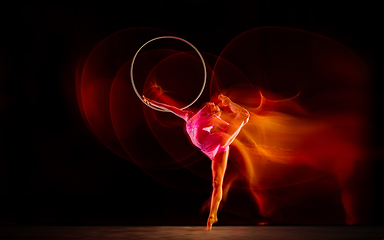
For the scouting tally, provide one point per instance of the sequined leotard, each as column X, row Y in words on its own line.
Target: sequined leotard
column 199, row 128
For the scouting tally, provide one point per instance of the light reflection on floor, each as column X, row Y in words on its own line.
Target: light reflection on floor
column 178, row 232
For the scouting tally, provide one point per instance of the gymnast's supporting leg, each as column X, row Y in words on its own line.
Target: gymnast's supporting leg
column 219, row 165
column 227, row 184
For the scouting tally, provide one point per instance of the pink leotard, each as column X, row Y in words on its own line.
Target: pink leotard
column 199, row 129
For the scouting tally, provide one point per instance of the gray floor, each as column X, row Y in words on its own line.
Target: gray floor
column 219, row 232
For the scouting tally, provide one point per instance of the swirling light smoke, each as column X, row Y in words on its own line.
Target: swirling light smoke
column 302, row 158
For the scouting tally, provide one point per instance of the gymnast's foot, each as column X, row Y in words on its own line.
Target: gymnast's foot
column 211, row 220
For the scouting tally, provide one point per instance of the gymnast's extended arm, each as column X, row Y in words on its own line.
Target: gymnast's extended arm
column 184, row 114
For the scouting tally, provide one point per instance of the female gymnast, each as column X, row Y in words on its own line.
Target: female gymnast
column 213, row 136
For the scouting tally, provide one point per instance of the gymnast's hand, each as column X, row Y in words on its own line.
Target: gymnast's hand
column 146, row 100
column 224, row 100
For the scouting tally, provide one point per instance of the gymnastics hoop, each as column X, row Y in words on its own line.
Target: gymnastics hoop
column 177, row 38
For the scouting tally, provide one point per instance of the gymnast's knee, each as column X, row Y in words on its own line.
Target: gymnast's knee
column 217, row 184
column 244, row 115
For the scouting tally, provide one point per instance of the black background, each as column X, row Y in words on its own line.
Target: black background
column 53, row 170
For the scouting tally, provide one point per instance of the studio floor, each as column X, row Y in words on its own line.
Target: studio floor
column 195, row 232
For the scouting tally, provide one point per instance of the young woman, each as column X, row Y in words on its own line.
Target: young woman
column 213, row 136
